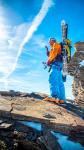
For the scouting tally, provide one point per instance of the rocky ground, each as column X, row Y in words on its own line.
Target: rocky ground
column 64, row 118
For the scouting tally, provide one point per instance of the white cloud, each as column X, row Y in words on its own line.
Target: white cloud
column 14, row 38
column 34, row 25
column 9, row 47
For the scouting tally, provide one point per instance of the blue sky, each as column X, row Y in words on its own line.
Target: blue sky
column 25, row 27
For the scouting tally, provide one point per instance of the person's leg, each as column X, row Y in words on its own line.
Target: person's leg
column 60, row 82
column 61, row 87
column 53, row 81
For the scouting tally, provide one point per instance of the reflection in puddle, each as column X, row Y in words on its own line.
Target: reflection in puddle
column 67, row 144
column 32, row 124
column 63, row 140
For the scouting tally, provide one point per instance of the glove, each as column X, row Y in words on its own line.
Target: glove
column 48, row 62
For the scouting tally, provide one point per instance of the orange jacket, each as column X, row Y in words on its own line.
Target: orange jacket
column 55, row 50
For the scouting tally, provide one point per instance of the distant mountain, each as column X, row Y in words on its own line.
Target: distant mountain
column 13, row 93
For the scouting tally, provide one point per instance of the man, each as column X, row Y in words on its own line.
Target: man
column 57, row 89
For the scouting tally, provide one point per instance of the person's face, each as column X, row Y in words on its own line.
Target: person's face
column 51, row 42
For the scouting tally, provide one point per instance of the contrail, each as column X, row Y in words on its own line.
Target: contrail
column 36, row 22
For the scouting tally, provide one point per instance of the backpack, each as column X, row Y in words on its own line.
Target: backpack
column 66, row 49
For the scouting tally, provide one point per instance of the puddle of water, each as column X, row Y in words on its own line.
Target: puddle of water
column 63, row 140
column 32, row 124
column 67, row 144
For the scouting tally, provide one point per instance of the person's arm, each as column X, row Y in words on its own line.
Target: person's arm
column 55, row 51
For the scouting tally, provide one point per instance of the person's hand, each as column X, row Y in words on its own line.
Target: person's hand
column 48, row 62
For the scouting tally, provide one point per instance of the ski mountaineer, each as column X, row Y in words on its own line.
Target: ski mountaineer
column 57, row 89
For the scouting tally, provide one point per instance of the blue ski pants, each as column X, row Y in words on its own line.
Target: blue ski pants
column 57, row 88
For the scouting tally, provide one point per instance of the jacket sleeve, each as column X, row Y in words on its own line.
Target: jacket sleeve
column 54, row 52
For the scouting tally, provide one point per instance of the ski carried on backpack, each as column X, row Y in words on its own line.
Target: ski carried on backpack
column 66, row 49
column 64, row 37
